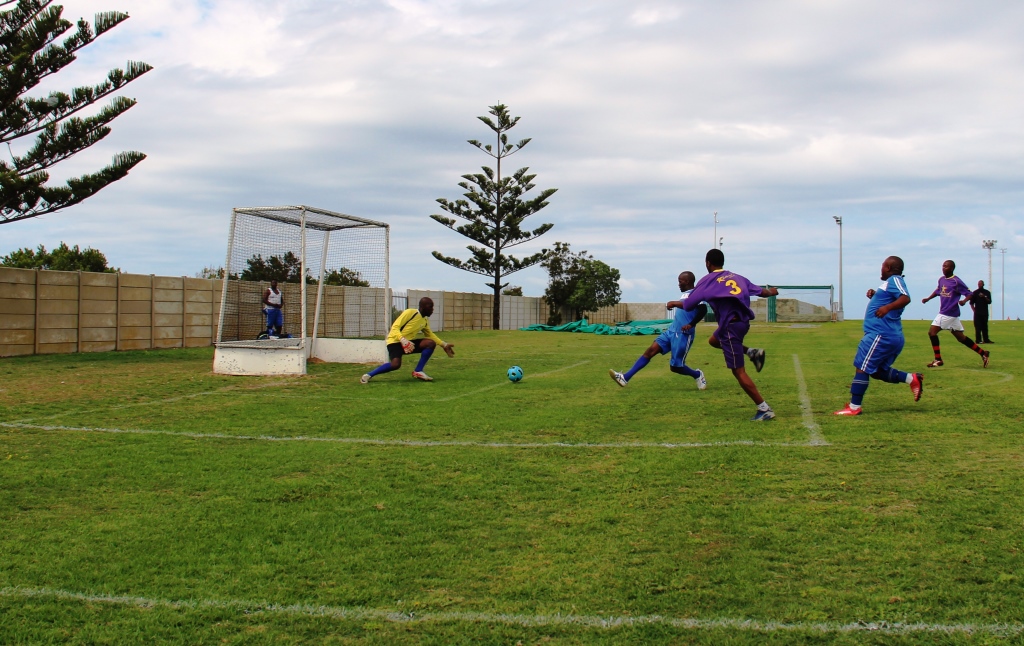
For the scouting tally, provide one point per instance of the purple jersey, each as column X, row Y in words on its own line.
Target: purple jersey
column 727, row 293
column 947, row 291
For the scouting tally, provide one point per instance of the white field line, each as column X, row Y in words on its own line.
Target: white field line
column 409, row 443
column 1005, row 378
column 519, row 619
column 816, row 438
column 167, row 400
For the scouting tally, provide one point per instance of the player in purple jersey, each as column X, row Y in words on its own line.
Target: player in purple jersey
column 949, row 313
column 729, row 294
column 883, row 338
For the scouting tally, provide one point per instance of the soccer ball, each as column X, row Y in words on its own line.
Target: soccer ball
column 515, row 373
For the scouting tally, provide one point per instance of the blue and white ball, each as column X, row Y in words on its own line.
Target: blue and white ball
column 515, row 374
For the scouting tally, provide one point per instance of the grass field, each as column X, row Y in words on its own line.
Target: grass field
column 144, row 499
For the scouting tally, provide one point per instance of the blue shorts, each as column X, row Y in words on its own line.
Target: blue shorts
column 275, row 318
column 678, row 343
column 877, row 352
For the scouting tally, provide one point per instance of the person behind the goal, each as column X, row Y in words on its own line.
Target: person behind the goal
column 411, row 334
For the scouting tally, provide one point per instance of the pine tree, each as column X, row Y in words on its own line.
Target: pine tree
column 31, row 51
column 497, row 212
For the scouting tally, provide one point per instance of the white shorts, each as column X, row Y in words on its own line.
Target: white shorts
column 944, row 322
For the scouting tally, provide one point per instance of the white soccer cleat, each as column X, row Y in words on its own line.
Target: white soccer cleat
column 422, row 376
column 702, row 381
column 617, row 377
column 365, row 379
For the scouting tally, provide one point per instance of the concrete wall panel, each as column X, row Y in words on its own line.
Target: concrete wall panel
column 91, row 293
column 58, row 278
column 59, row 335
column 18, row 290
column 18, row 322
column 99, row 335
column 58, row 307
column 102, row 346
column 18, row 306
column 14, row 275
column 17, row 337
column 59, row 321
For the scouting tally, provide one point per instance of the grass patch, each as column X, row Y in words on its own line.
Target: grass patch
column 547, row 498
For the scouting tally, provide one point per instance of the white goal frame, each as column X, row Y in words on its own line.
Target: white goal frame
column 288, row 356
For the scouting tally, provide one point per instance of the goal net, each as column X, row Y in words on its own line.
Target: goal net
column 331, row 269
column 796, row 303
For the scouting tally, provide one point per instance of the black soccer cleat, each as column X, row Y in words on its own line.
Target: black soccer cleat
column 757, row 358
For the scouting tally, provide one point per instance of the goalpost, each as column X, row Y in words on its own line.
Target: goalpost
column 332, row 271
column 797, row 303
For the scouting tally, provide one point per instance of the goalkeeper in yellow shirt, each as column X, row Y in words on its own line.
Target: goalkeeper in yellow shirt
column 411, row 334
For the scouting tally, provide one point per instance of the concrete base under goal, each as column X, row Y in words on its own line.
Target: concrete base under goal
column 350, row 350
column 288, row 356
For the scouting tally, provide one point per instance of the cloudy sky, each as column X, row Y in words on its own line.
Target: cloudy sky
column 903, row 118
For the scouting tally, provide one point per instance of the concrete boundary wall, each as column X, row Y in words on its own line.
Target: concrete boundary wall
column 47, row 312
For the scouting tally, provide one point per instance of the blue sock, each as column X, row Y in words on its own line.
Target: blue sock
column 424, row 356
column 381, row 369
column 891, row 376
column 685, row 370
column 640, row 364
column 858, row 388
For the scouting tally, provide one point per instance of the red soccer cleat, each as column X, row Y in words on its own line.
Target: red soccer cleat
column 984, row 359
column 917, row 385
column 848, row 411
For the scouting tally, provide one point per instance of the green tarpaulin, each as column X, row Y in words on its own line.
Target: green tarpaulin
column 626, row 327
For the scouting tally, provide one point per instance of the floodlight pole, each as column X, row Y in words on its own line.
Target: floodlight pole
column 302, row 275
column 721, row 242
column 1002, row 286
column 714, row 238
column 989, row 244
column 839, row 221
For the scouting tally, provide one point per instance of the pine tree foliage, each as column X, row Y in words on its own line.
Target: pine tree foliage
column 494, row 210
column 31, row 50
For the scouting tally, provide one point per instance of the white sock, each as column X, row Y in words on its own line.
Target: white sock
column 910, row 377
column 763, row 406
column 854, row 406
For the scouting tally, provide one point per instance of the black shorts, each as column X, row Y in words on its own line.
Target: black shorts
column 395, row 349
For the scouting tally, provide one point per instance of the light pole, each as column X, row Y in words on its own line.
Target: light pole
column 714, row 239
column 839, row 221
column 1002, row 286
column 988, row 244
column 721, row 242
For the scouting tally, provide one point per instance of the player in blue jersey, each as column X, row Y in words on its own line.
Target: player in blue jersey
column 883, row 338
column 677, row 339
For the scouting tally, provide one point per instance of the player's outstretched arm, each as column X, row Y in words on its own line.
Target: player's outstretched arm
column 769, row 291
column 449, row 349
column 902, row 301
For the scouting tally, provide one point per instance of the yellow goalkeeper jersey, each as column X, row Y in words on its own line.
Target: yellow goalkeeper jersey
column 412, row 325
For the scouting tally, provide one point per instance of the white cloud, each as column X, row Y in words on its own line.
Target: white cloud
column 647, row 117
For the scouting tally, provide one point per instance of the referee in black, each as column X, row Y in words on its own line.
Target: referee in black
column 981, row 298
